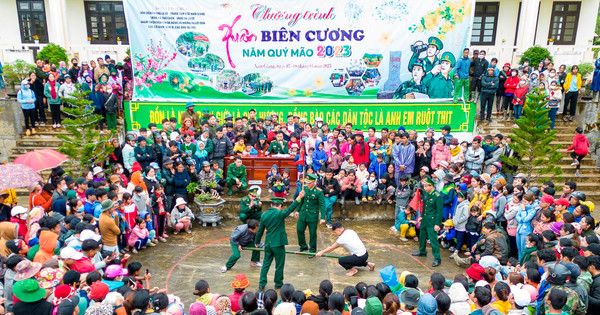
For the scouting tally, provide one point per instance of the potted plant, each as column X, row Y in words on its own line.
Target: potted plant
column 15, row 72
column 118, row 40
column 36, row 39
column 89, row 40
column 550, row 41
column 209, row 204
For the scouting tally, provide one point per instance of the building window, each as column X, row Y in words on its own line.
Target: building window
column 563, row 26
column 32, row 21
column 484, row 23
column 105, row 22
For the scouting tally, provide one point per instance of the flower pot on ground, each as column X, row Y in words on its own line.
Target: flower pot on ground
column 209, row 206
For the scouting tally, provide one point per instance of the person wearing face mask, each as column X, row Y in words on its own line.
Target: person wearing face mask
column 110, row 106
column 555, row 94
column 489, row 86
column 74, row 71
column 572, row 86
column 480, row 65
column 512, row 81
column 438, row 81
column 27, row 98
column 520, row 96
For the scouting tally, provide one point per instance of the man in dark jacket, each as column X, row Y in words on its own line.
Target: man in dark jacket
column 242, row 236
column 479, row 66
column 74, row 71
column 494, row 243
column 168, row 174
column 143, row 154
column 221, row 147
column 594, row 296
column 331, row 189
column 489, row 86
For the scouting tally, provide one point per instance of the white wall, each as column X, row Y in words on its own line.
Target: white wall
column 504, row 48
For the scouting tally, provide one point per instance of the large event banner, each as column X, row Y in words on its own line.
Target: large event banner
column 287, row 51
column 418, row 116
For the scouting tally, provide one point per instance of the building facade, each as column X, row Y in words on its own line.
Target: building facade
column 89, row 29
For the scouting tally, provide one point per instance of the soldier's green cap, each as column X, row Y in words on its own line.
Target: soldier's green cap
column 228, row 116
column 448, row 56
column 436, row 41
column 428, row 181
column 205, row 111
column 311, row 177
column 419, row 63
column 302, row 120
column 253, row 189
column 277, row 199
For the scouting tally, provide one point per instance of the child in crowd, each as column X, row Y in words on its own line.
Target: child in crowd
column 181, row 217
column 138, row 239
column 473, row 227
column 150, row 227
column 406, row 224
column 447, row 237
column 348, row 164
column 271, row 175
column 370, row 187
column 285, row 177
column 279, row 189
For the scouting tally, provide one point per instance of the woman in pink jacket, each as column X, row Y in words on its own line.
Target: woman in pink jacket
column 351, row 188
column 138, row 238
column 580, row 149
column 440, row 152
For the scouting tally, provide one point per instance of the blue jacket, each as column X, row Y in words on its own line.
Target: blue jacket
column 180, row 182
column 462, row 68
column 379, row 169
column 97, row 99
column 319, row 158
column 26, row 97
column 524, row 218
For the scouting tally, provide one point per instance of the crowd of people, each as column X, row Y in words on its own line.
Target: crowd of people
column 478, row 80
column 514, row 237
column 107, row 83
column 526, row 249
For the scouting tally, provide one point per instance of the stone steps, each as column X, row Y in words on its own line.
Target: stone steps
column 589, row 179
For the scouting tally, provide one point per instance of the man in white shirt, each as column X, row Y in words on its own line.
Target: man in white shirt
column 358, row 252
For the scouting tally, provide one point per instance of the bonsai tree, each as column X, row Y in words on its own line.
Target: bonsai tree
column 83, row 144
column 17, row 71
column 54, row 53
column 537, row 159
column 535, row 54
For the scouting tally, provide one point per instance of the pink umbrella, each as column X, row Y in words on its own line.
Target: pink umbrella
column 40, row 160
column 17, row 176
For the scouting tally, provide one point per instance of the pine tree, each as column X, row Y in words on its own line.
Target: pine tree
column 83, row 145
column 535, row 157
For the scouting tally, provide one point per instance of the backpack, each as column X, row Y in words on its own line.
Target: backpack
column 488, row 310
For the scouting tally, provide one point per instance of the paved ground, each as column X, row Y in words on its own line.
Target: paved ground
column 187, row 258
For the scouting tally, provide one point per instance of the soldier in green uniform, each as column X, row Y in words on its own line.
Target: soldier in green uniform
column 236, row 176
column 251, row 207
column 407, row 89
column 205, row 115
column 308, row 214
column 273, row 220
column 279, row 146
column 432, row 49
column 439, row 82
column 431, row 221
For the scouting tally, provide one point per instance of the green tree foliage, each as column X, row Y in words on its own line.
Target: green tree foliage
column 585, row 69
column 537, row 159
column 17, row 71
column 535, row 54
column 83, row 144
column 54, row 53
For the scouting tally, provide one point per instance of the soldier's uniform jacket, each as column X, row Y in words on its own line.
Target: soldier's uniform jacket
column 245, row 205
column 273, row 221
column 312, row 204
column 276, row 148
column 432, row 209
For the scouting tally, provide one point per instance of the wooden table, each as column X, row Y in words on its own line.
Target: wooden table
column 257, row 168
